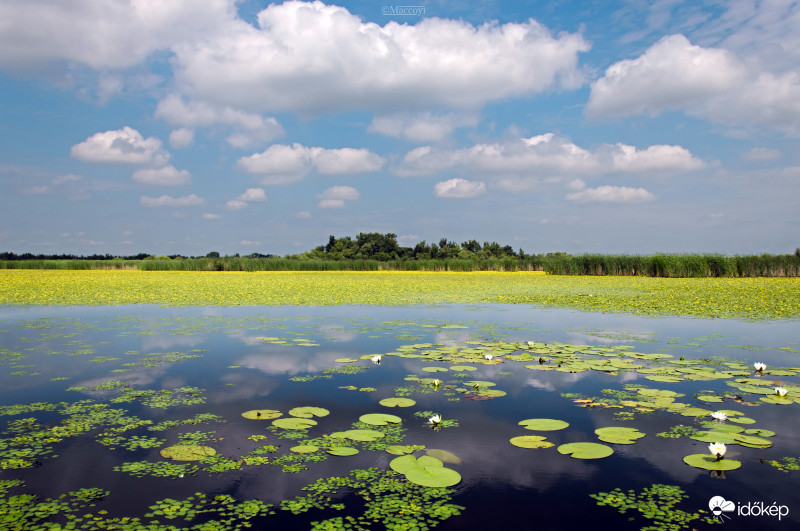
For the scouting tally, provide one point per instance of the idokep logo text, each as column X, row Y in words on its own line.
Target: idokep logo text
column 723, row 509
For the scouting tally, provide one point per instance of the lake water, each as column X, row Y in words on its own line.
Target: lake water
column 92, row 382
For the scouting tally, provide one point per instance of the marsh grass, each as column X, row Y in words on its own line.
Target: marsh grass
column 658, row 265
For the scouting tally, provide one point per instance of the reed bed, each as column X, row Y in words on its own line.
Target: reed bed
column 658, row 265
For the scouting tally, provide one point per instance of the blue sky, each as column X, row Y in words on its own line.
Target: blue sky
column 187, row 126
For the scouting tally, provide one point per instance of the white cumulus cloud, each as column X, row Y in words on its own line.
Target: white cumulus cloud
column 253, row 194
column 101, row 33
column 250, row 129
column 308, row 56
column 611, row 194
column 712, row 83
column 250, row 195
column 524, row 162
column 235, row 204
column 761, row 154
column 164, row 176
column 421, row 126
column 169, row 201
column 282, row 164
column 122, row 146
column 181, row 138
column 335, row 196
column 458, row 189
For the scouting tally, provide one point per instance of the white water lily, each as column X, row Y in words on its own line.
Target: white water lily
column 435, row 420
column 780, row 391
column 759, row 366
column 436, row 382
column 719, row 415
column 488, row 356
column 376, row 358
column 531, row 343
column 717, row 449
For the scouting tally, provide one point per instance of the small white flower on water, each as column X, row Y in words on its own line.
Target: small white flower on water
column 434, row 420
column 436, row 382
column 760, row 366
column 717, row 449
column 780, row 391
column 719, row 415
column 488, row 356
column 531, row 343
column 376, row 358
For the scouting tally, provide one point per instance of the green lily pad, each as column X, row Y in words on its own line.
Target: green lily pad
column 398, row 449
column 695, row 412
column 379, row 419
column 361, row 435
column 531, row 441
column 667, row 379
column 462, row 368
column 345, row 360
column 304, row 449
column 493, row 393
column 444, row 456
column 425, row 470
column 714, row 437
column 724, row 428
column 775, row 399
column 543, row 424
column 709, row 398
column 585, row 450
column 262, row 414
column 710, row 462
column 397, row 401
column 405, row 463
column 307, row 412
column 187, row 452
column 751, row 441
column 619, row 435
column 759, row 432
column 294, row 423
column 342, row 450
column 433, row 476
column 479, row 383
column 742, row 420
column 434, row 369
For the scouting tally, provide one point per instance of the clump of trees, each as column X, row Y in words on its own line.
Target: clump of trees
column 384, row 248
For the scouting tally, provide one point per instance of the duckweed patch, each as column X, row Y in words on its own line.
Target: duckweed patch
column 656, row 504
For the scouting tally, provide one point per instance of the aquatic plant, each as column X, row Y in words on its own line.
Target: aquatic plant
column 656, row 503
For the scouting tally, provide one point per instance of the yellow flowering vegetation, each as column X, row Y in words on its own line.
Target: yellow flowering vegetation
column 746, row 298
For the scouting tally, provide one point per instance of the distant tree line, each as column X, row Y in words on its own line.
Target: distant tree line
column 384, row 248
column 141, row 256
column 376, row 252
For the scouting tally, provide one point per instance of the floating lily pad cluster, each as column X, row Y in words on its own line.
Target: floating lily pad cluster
column 426, row 471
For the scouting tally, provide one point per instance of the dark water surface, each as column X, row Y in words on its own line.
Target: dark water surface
column 241, row 359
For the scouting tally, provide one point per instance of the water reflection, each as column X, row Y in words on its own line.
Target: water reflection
column 279, row 358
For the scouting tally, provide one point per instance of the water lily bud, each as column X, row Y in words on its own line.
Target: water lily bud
column 780, row 391
column 759, row 366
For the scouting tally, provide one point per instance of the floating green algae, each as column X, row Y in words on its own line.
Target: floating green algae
column 656, row 503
